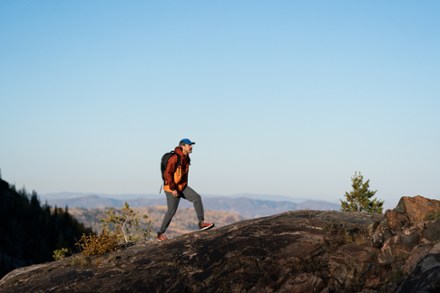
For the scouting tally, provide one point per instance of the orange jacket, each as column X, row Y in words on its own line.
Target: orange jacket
column 176, row 175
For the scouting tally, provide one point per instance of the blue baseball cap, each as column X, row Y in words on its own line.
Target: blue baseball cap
column 186, row 141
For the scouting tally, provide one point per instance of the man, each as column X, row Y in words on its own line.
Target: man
column 176, row 187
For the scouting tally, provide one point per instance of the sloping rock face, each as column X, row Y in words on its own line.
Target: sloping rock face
column 304, row 251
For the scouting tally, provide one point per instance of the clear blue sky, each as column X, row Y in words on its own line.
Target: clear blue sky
column 281, row 97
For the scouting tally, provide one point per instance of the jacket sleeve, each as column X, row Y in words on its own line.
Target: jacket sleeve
column 169, row 172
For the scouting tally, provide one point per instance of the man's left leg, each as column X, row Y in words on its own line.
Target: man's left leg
column 192, row 196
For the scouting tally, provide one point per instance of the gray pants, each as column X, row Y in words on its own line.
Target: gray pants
column 173, row 202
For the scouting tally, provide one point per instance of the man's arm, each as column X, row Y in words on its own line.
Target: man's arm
column 169, row 172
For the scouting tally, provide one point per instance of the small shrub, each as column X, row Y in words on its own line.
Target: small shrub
column 60, row 254
column 125, row 224
column 97, row 245
column 120, row 227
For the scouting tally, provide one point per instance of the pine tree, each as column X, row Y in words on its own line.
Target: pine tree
column 359, row 199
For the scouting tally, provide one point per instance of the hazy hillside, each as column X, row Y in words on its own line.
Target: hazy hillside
column 183, row 222
column 245, row 206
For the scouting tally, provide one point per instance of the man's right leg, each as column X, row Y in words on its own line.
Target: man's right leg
column 172, row 203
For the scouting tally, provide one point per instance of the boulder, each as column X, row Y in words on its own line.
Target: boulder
column 418, row 208
column 393, row 222
column 425, row 278
column 396, row 221
column 431, row 232
column 409, row 211
column 399, row 247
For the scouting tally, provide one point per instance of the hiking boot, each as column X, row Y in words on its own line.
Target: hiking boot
column 205, row 226
column 161, row 237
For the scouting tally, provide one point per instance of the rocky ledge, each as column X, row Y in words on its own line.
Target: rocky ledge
column 301, row 251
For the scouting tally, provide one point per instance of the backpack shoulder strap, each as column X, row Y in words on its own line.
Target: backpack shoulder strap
column 172, row 153
column 178, row 157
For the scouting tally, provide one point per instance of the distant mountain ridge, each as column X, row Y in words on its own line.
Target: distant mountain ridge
column 246, row 206
column 271, row 197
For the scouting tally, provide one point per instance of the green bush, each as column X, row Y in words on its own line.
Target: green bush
column 59, row 254
column 119, row 226
column 125, row 224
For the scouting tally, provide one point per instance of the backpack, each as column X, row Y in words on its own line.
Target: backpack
column 164, row 162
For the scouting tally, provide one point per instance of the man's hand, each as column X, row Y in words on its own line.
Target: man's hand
column 174, row 193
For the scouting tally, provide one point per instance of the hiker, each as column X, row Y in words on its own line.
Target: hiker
column 175, row 176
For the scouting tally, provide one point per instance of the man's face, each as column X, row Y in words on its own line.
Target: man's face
column 187, row 148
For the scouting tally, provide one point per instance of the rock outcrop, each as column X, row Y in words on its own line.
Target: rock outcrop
column 302, row 251
column 409, row 240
